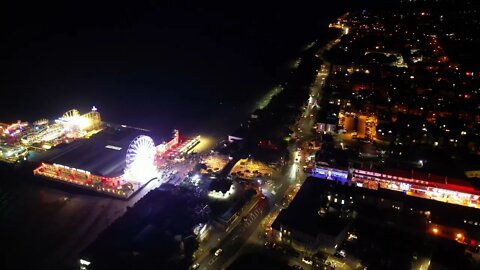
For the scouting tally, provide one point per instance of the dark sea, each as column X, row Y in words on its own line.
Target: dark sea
column 195, row 67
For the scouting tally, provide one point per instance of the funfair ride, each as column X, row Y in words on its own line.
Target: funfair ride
column 76, row 125
column 71, row 125
column 140, row 160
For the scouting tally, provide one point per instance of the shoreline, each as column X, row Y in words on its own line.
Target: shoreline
column 45, row 197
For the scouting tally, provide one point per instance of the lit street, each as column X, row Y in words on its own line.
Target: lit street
column 292, row 176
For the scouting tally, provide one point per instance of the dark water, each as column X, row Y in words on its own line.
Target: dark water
column 155, row 65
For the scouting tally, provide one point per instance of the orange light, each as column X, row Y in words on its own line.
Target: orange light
column 459, row 235
column 435, row 230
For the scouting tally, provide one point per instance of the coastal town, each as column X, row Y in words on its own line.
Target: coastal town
column 366, row 157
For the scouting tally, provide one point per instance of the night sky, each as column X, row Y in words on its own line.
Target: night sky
column 151, row 64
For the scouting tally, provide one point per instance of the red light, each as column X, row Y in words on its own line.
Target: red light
column 468, row 73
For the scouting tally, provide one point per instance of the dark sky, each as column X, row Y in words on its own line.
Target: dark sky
column 134, row 55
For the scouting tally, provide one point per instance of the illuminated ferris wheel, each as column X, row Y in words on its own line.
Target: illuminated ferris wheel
column 140, row 157
column 71, row 114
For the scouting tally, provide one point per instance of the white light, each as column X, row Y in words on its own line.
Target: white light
column 113, row 147
column 84, row 262
column 293, row 171
column 221, row 196
column 140, row 159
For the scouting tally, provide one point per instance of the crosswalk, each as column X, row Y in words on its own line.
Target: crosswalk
column 252, row 216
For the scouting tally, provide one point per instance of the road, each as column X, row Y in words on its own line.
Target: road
column 234, row 240
column 292, row 177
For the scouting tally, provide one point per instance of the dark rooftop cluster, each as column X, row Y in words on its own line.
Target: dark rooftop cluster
column 389, row 225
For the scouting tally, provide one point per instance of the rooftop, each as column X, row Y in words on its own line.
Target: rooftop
column 103, row 154
column 220, row 185
column 302, row 213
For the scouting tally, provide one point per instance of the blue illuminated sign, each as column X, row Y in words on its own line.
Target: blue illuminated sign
column 330, row 173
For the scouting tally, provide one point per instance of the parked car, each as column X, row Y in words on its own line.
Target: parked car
column 341, row 254
column 307, row 260
column 218, row 252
